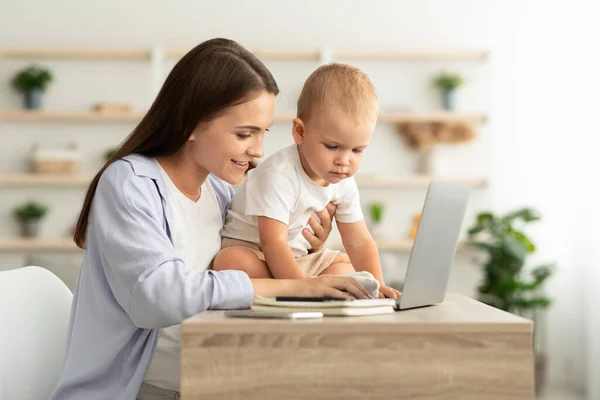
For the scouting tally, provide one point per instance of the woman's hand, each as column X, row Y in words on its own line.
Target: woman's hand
column 320, row 286
column 388, row 292
column 330, row 286
column 321, row 230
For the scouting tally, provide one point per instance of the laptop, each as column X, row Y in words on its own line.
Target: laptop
column 429, row 264
column 435, row 245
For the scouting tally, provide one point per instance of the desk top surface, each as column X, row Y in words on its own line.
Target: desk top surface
column 456, row 312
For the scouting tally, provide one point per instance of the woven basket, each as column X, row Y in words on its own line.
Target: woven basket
column 55, row 161
column 55, row 166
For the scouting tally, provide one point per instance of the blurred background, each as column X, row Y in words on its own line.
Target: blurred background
column 495, row 94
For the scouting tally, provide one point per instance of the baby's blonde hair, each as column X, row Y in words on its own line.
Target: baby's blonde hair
column 339, row 85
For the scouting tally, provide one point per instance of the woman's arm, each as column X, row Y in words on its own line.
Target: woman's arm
column 320, row 286
column 127, row 241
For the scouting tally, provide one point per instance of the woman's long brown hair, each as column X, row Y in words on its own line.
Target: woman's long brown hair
column 214, row 75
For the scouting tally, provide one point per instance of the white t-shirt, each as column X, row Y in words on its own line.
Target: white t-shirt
column 280, row 189
column 195, row 228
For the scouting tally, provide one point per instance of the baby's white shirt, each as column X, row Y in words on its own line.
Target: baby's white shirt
column 280, row 189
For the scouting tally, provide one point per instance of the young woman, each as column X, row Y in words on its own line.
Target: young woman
column 150, row 227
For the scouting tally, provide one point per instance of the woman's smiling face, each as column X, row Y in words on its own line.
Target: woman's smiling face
column 225, row 146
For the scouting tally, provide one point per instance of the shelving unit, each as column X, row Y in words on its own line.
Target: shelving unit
column 414, row 181
column 401, row 245
column 68, row 116
column 84, row 53
column 38, row 245
column 413, row 55
column 157, row 56
column 33, row 180
column 287, row 116
column 406, row 182
column 76, row 53
column 67, row 245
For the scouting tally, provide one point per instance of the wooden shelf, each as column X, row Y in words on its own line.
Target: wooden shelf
column 67, row 245
column 435, row 116
column 406, row 55
column 16, row 245
column 287, row 116
column 72, row 53
column 413, row 55
column 86, row 53
column 414, row 181
column 69, row 116
column 32, row 179
column 284, row 55
column 397, row 245
column 363, row 181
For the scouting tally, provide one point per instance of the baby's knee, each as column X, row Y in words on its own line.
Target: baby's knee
column 241, row 259
column 228, row 259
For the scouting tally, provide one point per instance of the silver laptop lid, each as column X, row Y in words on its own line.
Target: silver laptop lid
column 435, row 244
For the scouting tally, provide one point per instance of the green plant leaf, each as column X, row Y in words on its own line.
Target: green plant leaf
column 30, row 211
column 447, row 81
column 505, row 284
column 525, row 214
column 376, row 210
column 523, row 240
column 32, row 78
column 514, row 248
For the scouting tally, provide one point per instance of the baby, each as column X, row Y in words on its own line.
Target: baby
column 337, row 113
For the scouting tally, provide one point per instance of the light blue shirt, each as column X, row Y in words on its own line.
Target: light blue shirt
column 132, row 283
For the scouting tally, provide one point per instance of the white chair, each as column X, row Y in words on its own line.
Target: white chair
column 34, row 316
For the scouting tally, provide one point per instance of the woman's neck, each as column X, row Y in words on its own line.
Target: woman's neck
column 187, row 176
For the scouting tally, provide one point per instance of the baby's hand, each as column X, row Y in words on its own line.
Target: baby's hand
column 389, row 292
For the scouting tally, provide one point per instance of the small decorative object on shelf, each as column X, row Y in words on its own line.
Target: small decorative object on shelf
column 506, row 284
column 376, row 210
column 30, row 215
column 109, row 153
column 415, row 226
column 447, row 83
column 56, row 161
column 32, row 82
column 112, row 107
column 422, row 137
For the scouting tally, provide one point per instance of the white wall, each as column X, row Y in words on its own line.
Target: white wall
column 510, row 87
column 293, row 25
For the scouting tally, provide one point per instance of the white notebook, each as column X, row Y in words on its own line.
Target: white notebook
column 275, row 301
column 332, row 311
column 327, row 307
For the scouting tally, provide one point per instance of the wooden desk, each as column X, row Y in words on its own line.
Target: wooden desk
column 461, row 349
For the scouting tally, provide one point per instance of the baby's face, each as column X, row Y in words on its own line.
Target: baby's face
column 333, row 144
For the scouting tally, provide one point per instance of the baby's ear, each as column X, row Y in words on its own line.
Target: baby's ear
column 298, row 130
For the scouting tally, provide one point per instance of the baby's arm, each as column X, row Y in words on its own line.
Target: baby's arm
column 361, row 248
column 273, row 241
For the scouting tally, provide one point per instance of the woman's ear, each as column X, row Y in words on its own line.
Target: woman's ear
column 298, row 130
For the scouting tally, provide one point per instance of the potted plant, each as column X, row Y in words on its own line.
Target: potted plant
column 506, row 284
column 32, row 82
column 30, row 215
column 376, row 210
column 447, row 83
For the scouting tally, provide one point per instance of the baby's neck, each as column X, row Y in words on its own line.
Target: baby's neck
column 309, row 172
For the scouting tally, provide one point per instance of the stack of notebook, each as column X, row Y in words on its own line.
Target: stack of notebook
column 327, row 306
